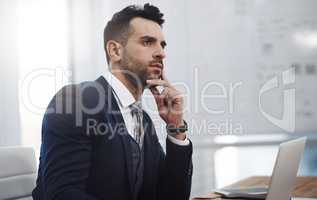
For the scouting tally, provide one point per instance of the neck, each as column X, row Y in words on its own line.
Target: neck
column 135, row 90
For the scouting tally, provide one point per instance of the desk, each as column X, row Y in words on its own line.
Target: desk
column 305, row 187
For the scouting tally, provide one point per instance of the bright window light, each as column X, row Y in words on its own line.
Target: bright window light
column 226, row 166
column 306, row 38
column 43, row 50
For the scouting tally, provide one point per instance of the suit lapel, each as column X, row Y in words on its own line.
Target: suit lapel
column 150, row 155
column 116, row 120
column 151, row 151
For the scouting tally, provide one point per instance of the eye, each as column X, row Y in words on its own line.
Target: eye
column 147, row 43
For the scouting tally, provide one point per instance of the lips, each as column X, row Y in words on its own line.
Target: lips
column 157, row 65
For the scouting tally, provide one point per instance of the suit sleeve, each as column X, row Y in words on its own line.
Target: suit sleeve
column 175, row 172
column 65, row 155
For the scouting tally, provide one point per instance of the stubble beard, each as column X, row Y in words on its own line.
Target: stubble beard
column 135, row 72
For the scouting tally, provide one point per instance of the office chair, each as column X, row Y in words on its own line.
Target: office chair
column 17, row 172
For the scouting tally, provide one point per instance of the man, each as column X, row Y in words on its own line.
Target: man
column 98, row 143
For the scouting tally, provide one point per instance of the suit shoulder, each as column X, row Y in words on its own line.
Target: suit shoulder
column 85, row 96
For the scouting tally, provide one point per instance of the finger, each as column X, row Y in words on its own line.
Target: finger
column 166, row 97
column 171, row 93
column 175, row 94
column 165, row 78
column 163, row 75
column 157, row 82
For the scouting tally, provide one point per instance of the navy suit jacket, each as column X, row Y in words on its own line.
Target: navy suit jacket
column 85, row 152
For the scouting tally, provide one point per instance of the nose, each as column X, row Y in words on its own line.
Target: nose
column 159, row 54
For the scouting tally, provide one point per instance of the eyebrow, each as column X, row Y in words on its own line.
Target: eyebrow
column 153, row 39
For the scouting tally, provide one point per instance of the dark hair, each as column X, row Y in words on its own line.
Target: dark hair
column 118, row 27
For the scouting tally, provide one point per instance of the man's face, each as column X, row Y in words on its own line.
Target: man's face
column 144, row 51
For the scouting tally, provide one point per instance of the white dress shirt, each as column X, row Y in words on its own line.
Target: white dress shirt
column 124, row 99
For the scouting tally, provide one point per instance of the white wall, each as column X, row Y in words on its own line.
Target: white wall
column 10, row 133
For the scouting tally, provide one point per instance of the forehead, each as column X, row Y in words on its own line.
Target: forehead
column 143, row 27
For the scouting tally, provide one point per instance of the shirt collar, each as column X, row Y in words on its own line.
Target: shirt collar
column 124, row 96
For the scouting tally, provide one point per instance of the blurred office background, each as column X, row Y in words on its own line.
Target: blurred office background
column 221, row 53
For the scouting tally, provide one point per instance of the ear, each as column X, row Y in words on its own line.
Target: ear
column 114, row 50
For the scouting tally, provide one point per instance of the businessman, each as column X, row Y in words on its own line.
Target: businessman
column 97, row 141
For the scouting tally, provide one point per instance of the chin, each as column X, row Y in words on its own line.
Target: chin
column 154, row 76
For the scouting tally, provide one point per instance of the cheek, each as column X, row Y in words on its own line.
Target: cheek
column 142, row 54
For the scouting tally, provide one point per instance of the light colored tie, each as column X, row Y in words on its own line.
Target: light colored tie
column 137, row 115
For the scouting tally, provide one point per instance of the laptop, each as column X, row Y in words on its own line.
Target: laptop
column 283, row 178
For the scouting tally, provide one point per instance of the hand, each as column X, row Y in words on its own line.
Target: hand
column 170, row 102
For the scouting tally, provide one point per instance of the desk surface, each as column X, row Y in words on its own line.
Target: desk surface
column 305, row 186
